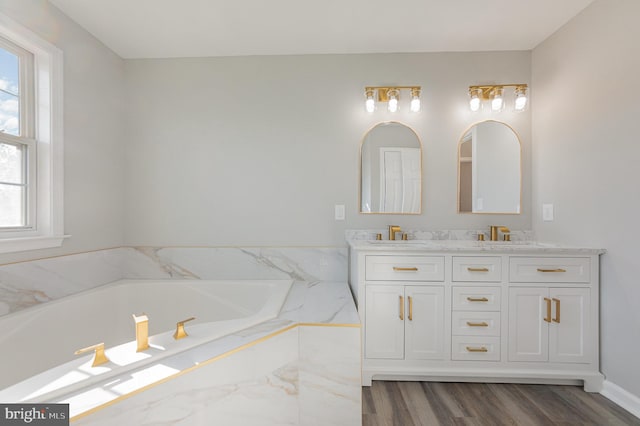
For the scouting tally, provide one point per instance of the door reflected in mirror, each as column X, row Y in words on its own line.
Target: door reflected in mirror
column 489, row 169
column 391, row 170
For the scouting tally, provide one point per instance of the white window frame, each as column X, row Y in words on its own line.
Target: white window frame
column 46, row 222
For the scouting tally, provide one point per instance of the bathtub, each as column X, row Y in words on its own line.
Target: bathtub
column 38, row 344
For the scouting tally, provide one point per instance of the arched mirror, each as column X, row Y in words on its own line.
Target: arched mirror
column 489, row 169
column 391, row 170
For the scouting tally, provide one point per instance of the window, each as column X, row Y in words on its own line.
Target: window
column 30, row 140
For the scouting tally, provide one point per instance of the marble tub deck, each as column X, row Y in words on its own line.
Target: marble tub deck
column 302, row 367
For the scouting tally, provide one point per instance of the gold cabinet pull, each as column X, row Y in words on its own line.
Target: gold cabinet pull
column 99, row 358
column 477, row 324
column 548, row 317
column 552, row 270
column 477, row 299
column 557, row 317
column 480, row 349
column 410, row 308
column 478, row 269
column 402, row 308
column 400, row 268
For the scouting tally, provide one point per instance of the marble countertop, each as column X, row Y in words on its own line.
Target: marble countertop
column 308, row 303
column 498, row 247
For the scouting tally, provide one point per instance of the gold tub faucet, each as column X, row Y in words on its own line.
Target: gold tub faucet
column 180, row 331
column 99, row 358
column 498, row 228
column 142, row 332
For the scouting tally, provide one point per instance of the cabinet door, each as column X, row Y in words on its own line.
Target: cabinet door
column 569, row 330
column 528, row 330
column 384, row 321
column 424, row 322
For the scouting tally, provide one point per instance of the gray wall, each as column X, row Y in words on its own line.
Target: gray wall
column 586, row 151
column 257, row 150
column 93, row 132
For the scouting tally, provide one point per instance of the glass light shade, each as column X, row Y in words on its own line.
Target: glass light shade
column 393, row 103
column 474, row 103
column 415, row 104
column 497, row 101
column 370, row 104
column 521, row 99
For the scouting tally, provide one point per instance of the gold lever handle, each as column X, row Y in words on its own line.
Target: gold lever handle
column 180, row 331
column 557, row 317
column 478, row 269
column 402, row 308
column 552, row 270
column 99, row 358
column 399, row 268
column 548, row 317
column 477, row 299
column 477, row 324
column 410, row 308
column 480, row 349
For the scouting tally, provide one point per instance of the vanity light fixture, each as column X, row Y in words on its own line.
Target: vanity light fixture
column 391, row 95
column 495, row 94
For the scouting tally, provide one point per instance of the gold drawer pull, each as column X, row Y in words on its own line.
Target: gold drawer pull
column 548, row 302
column 401, row 308
column 477, row 324
column 399, row 268
column 552, row 270
column 480, row 349
column 477, row 299
column 478, row 269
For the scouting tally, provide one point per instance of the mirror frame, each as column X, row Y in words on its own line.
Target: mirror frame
column 460, row 140
column 419, row 212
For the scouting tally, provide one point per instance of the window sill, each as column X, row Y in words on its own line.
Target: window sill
column 14, row 245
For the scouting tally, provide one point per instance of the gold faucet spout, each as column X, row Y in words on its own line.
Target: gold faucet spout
column 498, row 228
column 142, row 332
column 392, row 231
column 99, row 358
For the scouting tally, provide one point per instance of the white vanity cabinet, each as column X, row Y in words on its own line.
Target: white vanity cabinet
column 487, row 313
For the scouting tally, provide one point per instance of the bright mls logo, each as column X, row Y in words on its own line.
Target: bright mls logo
column 34, row 414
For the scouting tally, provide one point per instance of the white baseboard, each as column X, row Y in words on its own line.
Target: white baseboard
column 623, row 398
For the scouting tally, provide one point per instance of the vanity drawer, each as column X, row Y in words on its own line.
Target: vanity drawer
column 476, row 298
column 477, row 268
column 549, row 269
column 470, row 323
column 472, row 348
column 404, row 268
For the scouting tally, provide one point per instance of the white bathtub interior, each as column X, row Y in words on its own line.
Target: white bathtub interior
column 38, row 343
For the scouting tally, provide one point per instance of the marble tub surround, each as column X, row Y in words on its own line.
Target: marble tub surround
column 305, row 369
column 439, row 235
column 29, row 283
column 296, row 263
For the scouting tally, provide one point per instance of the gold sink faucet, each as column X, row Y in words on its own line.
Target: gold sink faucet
column 392, row 231
column 142, row 332
column 499, row 228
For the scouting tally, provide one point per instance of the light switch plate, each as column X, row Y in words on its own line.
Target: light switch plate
column 339, row 211
column 547, row 212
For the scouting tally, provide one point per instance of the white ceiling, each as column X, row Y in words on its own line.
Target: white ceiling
column 188, row 28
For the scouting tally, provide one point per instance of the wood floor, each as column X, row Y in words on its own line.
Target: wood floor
column 430, row 403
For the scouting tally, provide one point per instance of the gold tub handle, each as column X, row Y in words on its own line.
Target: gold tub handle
column 180, row 332
column 99, row 358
